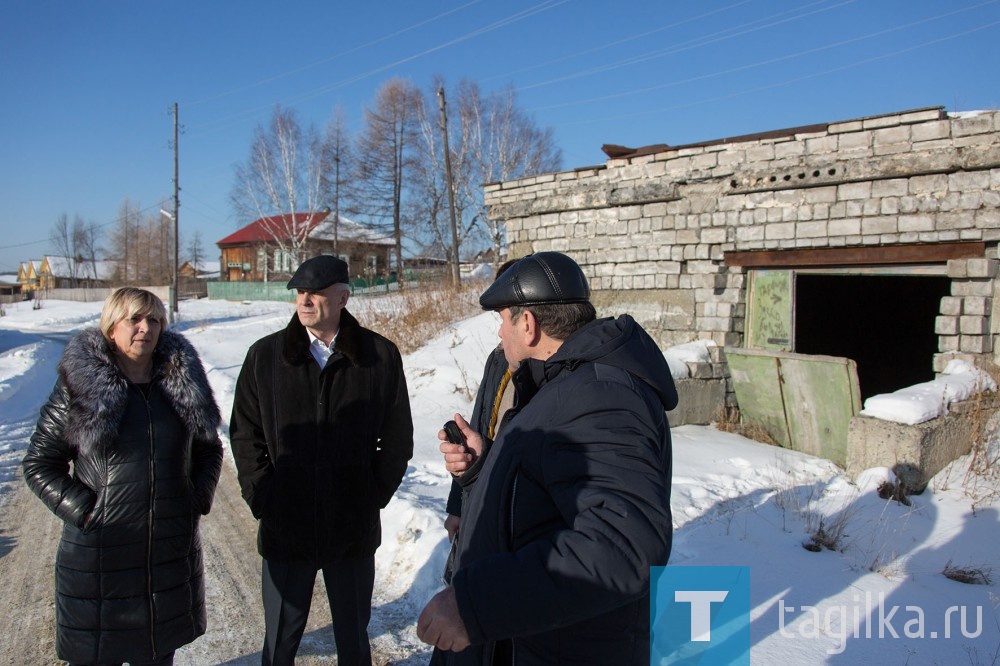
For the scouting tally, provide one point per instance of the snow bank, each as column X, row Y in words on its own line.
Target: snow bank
column 679, row 356
column 923, row 402
column 734, row 502
column 481, row 272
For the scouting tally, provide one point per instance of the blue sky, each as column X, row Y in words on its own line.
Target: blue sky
column 88, row 87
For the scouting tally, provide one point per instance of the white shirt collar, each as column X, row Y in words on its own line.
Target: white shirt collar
column 319, row 349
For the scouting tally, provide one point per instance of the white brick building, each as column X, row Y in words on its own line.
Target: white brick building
column 837, row 238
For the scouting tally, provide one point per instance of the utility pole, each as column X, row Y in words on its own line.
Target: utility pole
column 336, row 197
column 177, row 205
column 456, row 278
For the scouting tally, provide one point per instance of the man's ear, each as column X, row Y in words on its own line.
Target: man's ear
column 530, row 327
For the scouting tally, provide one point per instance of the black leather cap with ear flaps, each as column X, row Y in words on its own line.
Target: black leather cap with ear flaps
column 545, row 277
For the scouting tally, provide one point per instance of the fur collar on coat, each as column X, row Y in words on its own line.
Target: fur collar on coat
column 98, row 390
column 350, row 341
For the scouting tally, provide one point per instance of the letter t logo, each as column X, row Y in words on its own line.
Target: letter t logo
column 701, row 610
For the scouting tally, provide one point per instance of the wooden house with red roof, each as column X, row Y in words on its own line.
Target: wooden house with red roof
column 271, row 248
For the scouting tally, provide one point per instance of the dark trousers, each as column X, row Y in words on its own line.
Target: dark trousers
column 287, row 589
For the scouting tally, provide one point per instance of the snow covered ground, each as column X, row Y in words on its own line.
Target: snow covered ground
column 880, row 597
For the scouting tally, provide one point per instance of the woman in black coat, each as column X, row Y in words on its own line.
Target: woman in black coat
column 126, row 453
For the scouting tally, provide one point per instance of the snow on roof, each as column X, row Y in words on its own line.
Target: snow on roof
column 320, row 226
column 69, row 267
column 206, row 266
column 349, row 230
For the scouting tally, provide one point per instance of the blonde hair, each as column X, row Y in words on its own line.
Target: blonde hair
column 127, row 302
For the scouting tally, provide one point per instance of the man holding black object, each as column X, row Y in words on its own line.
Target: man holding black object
column 571, row 507
column 321, row 435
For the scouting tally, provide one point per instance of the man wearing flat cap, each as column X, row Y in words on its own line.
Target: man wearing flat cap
column 571, row 505
column 321, row 435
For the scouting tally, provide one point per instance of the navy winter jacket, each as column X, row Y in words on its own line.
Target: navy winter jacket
column 572, row 506
column 482, row 414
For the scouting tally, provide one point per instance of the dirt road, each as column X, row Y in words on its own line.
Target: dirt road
column 29, row 535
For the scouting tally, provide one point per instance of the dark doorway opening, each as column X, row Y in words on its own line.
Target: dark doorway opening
column 885, row 323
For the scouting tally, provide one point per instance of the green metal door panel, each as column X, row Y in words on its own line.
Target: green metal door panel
column 819, row 403
column 769, row 320
column 805, row 402
column 757, row 383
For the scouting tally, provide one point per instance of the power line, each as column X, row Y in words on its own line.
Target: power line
column 804, row 77
column 617, row 42
column 116, row 220
column 316, row 92
column 713, row 38
column 335, row 56
column 790, row 56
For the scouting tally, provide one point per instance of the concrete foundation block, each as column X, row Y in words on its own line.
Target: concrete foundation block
column 700, row 402
column 915, row 453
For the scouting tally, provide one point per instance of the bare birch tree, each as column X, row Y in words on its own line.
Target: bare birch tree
column 505, row 144
column 282, row 177
column 78, row 241
column 490, row 140
column 387, row 150
column 88, row 240
column 64, row 241
column 61, row 236
column 430, row 206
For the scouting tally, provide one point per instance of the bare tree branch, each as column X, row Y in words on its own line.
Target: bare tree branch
column 282, row 178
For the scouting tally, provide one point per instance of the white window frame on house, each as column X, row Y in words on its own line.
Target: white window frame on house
column 285, row 261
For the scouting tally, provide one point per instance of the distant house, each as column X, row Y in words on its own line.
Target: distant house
column 193, row 278
column 261, row 251
column 426, row 267
column 52, row 272
column 10, row 288
column 201, row 270
column 27, row 276
column 489, row 257
column 69, row 272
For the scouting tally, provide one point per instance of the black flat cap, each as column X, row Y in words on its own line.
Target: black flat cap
column 319, row 273
column 545, row 277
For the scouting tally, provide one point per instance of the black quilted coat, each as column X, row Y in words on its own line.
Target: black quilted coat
column 319, row 452
column 129, row 471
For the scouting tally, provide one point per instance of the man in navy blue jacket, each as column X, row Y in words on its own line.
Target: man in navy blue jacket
column 571, row 507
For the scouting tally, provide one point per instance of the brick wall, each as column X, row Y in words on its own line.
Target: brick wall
column 651, row 232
